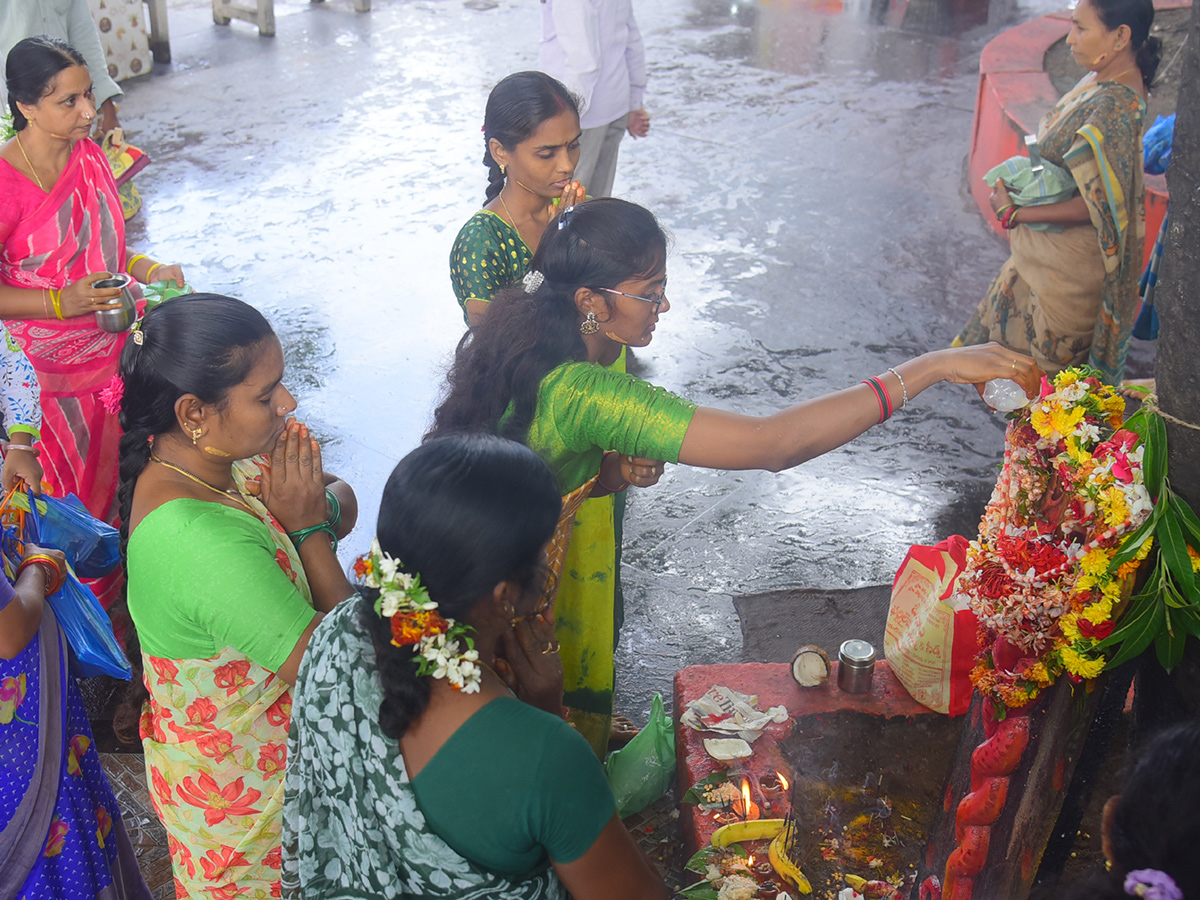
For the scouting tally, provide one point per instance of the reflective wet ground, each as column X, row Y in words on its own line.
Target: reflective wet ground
column 808, row 158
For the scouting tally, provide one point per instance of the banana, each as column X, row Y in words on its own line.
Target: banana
column 855, row 882
column 784, row 867
column 752, row 830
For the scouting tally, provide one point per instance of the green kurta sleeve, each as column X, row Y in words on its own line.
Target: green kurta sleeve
column 488, row 255
column 585, row 409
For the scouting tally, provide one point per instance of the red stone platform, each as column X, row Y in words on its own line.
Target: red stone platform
column 1015, row 92
column 774, row 686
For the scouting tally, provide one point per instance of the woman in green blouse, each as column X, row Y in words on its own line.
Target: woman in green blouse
column 531, row 145
column 534, row 371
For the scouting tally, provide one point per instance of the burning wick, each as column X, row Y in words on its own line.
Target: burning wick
column 774, row 788
column 745, row 808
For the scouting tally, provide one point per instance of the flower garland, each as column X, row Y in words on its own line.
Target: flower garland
column 1041, row 577
column 439, row 641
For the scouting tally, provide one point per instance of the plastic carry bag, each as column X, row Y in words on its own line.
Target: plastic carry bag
column 92, row 547
column 931, row 639
column 641, row 771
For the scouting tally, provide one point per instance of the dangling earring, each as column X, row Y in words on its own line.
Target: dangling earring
column 589, row 325
column 502, row 168
column 197, row 433
column 213, row 451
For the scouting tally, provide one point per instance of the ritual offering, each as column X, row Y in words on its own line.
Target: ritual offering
column 856, row 666
column 727, row 748
column 810, row 666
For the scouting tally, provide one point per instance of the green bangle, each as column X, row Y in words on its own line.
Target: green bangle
column 299, row 536
column 335, row 510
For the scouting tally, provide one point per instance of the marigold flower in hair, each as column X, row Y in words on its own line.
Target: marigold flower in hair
column 442, row 648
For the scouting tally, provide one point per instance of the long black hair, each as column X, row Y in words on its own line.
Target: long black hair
column 1139, row 16
column 523, row 336
column 202, row 344
column 1156, row 820
column 32, row 65
column 516, row 108
column 463, row 512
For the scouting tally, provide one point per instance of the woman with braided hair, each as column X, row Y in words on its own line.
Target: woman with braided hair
column 531, row 145
column 229, row 526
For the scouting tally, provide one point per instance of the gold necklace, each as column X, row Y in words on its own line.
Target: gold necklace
column 1119, row 74
column 232, row 493
column 29, row 163
column 511, row 220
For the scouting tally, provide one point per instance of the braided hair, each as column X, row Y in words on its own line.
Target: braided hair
column 202, row 344
column 516, row 108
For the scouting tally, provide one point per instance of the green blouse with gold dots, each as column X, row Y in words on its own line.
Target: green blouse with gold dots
column 488, row 255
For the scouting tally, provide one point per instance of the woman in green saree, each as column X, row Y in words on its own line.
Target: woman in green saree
column 1068, row 294
column 535, row 370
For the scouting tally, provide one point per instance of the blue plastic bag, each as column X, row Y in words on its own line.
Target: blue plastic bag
column 89, row 630
column 92, row 547
column 1156, row 144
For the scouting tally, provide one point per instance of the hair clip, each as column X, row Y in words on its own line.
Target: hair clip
column 562, row 217
column 532, row 281
column 136, row 330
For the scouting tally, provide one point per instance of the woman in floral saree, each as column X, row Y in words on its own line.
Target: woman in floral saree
column 1069, row 292
column 231, row 564
column 62, row 229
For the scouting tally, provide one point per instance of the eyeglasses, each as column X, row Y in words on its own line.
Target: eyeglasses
column 657, row 301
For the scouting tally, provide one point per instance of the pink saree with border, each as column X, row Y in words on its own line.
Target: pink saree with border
column 48, row 240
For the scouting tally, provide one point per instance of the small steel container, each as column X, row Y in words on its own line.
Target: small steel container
column 119, row 318
column 856, row 666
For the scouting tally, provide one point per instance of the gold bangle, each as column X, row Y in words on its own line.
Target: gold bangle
column 137, row 257
column 150, row 271
column 49, row 565
column 56, row 299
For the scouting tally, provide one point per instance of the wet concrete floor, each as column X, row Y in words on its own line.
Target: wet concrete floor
column 808, row 158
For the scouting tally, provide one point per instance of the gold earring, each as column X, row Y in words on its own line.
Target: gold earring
column 213, row 451
column 197, row 433
column 589, row 325
column 502, row 171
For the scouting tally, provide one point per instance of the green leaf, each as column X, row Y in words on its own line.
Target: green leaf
column 1187, row 619
column 1139, row 626
column 1133, row 542
column 701, row 890
column 699, row 860
column 695, row 794
column 1187, row 520
column 1156, row 440
column 1174, row 551
column 1169, row 648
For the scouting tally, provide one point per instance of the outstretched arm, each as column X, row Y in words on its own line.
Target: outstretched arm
column 724, row 440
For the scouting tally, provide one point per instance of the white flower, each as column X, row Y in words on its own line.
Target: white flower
column 387, row 568
column 390, row 603
column 403, row 580
column 738, row 887
column 1087, row 432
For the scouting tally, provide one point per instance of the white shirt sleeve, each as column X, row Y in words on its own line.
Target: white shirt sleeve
column 20, row 393
column 577, row 25
column 635, row 61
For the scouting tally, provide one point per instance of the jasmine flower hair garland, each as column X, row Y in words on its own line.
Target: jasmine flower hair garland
column 439, row 642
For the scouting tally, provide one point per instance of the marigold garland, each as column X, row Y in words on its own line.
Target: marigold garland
column 1040, row 577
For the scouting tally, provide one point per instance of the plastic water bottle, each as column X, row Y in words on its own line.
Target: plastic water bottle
column 1004, row 395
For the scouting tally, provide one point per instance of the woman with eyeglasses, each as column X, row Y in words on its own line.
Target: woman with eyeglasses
column 534, row 371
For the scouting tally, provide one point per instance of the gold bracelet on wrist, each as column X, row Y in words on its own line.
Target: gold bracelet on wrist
column 133, row 261
column 150, row 271
column 56, row 299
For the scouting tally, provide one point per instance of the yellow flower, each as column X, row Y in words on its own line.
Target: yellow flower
column 1076, row 452
column 1040, row 420
column 1195, row 557
column 1112, row 404
column 1064, row 422
column 1039, row 674
column 1095, row 561
column 1111, row 591
column 1085, row 583
column 1079, row 665
column 1065, row 378
column 1099, row 612
column 1114, row 505
column 1144, row 550
column 1070, row 626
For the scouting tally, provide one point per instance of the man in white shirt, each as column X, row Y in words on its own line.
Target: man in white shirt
column 595, row 49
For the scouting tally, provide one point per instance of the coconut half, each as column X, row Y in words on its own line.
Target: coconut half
column 810, row 666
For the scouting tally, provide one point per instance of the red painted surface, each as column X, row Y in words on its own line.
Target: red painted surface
column 1015, row 92
column 774, row 686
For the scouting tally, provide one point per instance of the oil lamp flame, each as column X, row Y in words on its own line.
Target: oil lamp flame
column 745, row 807
column 782, row 780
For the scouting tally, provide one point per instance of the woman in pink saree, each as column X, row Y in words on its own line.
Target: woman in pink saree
column 61, row 230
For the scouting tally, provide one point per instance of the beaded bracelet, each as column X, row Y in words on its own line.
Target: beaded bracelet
column 903, row 388
column 48, row 565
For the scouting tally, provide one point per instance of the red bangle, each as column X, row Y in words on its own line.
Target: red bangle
column 884, row 398
column 600, row 481
column 54, row 576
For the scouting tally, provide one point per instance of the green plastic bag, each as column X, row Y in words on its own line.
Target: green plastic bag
column 641, row 772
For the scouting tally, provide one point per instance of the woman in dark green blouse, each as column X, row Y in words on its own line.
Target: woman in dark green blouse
column 531, row 145
column 415, row 780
